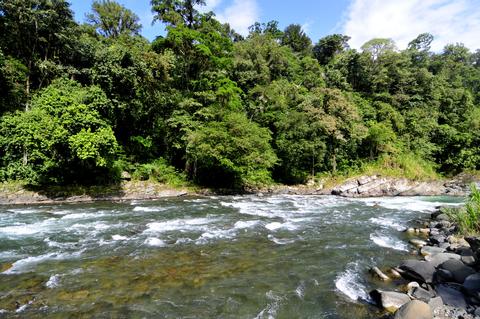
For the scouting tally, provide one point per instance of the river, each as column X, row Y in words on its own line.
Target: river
column 202, row 257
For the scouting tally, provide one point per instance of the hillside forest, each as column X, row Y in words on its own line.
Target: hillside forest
column 80, row 104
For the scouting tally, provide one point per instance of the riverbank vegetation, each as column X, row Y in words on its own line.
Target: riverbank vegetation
column 467, row 218
column 82, row 103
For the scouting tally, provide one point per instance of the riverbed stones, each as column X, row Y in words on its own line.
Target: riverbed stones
column 421, row 271
column 389, row 300
column 414, row 309
column 435, row 303
column 458, row 269
column 431, row 250
column 417, row 242
column 439, row 259
column 422, row 294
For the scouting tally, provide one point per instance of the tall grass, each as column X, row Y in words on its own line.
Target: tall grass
column 468, row 217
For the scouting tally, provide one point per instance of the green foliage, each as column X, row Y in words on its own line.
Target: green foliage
column 60, row 140
column 111, row 19
column 160, row 171
column 231, row 152
column 205, row 101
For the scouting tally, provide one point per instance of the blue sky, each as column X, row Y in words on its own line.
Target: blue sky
column 450, row 21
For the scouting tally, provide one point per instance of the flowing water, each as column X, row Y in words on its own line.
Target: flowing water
column 210, row 257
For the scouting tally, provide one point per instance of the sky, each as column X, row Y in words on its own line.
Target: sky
column 450, row 21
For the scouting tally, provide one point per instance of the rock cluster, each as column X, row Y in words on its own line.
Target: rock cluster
column 445, row 284
column 372, row 186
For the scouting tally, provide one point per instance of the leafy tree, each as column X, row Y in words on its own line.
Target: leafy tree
column 294, row 37
column 111, row 19
column 62, row 139
column 377, row 47
column 329, row 46
column 177, row 12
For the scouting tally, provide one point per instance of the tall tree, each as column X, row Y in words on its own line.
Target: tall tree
column 111, row 19
column 294, row 37
column 329, row 46
column 176, row 12
column 376, row 47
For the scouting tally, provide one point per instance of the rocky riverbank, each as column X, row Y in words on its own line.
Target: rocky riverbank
column 445, row 283
column 364, row 186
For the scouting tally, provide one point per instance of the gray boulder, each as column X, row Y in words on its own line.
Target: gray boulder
column 472, row 284
column 431, row 250
column 421, row 271
column 458, row 269
column 415, row 309
column 451, row 297
column 389, row 300
column 439, row 259
column 421, row 294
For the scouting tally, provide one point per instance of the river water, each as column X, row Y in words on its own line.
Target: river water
column 210, row 257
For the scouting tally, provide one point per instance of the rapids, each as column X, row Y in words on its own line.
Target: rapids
column 209, row 257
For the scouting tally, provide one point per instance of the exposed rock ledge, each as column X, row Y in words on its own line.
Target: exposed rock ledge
column 372, row 186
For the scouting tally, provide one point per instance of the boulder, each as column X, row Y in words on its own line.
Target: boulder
column 414, row 309
column 458, row 269
column 379, row 274
column 443, row 276
column 389, row 300
column 418, row 242
column 421, row 271
column 451, row 296
column 472, row 284
column 437, row 239
column 421, row 294
column 439, row 259
column 431, row 250
column 474, row 243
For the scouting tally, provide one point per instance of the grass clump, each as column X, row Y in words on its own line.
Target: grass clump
column 468, row 218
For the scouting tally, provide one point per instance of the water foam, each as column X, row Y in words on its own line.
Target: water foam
column 417, row 204
column 389, row 242
column 155, row 242
column 383, row 221
column 348, row 283
column 26, row 264
column 53, row 281
column 119, row 237
column 195, row 224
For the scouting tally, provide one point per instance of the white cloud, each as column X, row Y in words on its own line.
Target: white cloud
column 449, row 21
column 240, row 14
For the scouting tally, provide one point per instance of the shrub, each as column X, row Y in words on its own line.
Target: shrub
column 468, row 218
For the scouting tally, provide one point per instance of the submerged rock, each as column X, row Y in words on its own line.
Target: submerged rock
column 414, row 309
column 389, row 300
column 418, row 242
column 431, row 250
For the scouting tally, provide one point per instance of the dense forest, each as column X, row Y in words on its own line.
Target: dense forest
column 82, row 103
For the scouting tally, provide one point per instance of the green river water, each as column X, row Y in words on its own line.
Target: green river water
column 210, row 257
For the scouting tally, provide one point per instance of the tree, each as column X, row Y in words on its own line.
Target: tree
column 233, row 149
column 421, row 43
column 294, row 37
column 111, row 19
column 326, row 49
column 61, row 139
column 377, row 47
column 177, row 12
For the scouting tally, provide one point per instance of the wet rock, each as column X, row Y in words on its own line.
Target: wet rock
column 421, row 271
column 414, row 309
column 431, row 250
column 451, row 297
column 389, row 300
column 379, row 274
column 439, row 259
column 458, row 269
column 418, row 242
column 395, row 273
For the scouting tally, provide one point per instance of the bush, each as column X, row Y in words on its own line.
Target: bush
column 160, row 171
